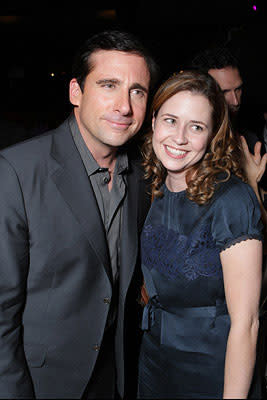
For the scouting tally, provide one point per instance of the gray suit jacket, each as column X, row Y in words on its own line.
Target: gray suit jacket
column 55, row 274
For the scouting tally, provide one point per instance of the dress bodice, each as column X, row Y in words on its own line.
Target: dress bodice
column 186, row 321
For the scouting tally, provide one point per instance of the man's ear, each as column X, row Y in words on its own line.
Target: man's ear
column 75, row 92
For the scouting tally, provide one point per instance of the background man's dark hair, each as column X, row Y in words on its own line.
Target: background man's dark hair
column 110, row 40
column 215, row 58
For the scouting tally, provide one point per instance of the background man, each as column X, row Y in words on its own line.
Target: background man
column 72, row 202
column 220, row 63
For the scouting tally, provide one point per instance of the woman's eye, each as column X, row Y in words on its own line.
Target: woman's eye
column 170, row 121
column 197, row 128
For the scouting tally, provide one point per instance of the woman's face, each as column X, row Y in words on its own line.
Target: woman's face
column 181, row 131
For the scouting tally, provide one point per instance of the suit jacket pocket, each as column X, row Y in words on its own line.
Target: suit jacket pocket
column 35, row 355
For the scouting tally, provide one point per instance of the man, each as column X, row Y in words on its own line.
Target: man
column 223, row 67
column 71, row 206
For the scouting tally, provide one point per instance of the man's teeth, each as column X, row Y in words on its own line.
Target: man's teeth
column 175, row 151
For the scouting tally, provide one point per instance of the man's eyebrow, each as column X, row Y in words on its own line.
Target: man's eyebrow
column 115, row 81
column 107, row 80
column 139, row 86
column 229, row 90
column 239, row 87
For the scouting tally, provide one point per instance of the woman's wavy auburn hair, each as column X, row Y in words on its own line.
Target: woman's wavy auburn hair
column 223, row 154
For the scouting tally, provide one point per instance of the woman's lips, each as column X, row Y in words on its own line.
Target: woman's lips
column 174, row 152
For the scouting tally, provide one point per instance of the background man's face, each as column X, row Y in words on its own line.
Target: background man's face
column 230, row 82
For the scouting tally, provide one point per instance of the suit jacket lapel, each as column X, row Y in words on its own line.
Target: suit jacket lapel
column 74, row 185
column 129, row 232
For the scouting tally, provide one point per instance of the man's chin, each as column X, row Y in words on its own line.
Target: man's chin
column 234, row 111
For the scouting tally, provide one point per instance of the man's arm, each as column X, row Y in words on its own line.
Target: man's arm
column 15, row 380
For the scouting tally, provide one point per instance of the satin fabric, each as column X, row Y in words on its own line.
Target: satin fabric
column 186, row 321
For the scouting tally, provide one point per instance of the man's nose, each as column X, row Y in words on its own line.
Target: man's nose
column 234, row 99
column 123, row 103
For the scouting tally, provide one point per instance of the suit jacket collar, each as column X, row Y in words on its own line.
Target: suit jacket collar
column 74, row 185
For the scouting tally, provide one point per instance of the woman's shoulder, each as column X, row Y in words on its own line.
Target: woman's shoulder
column 233, row 191
column 236, row 213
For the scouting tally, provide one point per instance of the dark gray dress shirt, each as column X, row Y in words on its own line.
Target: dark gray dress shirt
column 109, row 203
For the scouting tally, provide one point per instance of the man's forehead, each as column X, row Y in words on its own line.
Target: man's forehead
column 110, row 62
column 110, row 57
column 228, row 78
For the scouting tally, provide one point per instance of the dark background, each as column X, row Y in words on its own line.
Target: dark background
column 37, row 50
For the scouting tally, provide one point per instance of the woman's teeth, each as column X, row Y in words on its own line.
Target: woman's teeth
column 175, row 152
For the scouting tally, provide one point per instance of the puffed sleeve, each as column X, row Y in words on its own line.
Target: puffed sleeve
column 236, row 216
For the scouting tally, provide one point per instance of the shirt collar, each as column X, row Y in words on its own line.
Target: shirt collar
column 122, row 163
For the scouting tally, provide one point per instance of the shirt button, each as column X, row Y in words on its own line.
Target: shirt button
column 106, row 179
column 107, row 300
column 96, row 347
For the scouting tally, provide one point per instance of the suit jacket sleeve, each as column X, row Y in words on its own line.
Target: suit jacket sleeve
column 15, row 380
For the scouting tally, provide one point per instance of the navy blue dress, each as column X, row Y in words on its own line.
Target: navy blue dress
column 186, row 323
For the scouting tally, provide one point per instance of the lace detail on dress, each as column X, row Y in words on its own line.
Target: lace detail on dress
column 171, row 253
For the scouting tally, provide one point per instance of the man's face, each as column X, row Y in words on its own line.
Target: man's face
column 112, row 106
column 230, row 82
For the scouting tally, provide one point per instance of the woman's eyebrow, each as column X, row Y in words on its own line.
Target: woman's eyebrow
column 199, row 122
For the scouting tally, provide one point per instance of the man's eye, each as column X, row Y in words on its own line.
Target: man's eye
column 108, row 85
column 137, row 92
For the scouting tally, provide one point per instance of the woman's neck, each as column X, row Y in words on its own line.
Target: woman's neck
column 176, row 182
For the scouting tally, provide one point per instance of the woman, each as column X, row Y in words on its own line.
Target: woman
column 201, row 250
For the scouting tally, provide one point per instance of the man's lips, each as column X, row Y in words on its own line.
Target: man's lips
column 119, row 123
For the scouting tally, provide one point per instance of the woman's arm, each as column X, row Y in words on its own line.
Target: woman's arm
column 242, row 266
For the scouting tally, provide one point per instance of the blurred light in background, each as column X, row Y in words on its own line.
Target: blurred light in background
column 106, row 14
column 9, row 19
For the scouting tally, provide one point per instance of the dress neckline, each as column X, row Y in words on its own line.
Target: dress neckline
column 167, row 191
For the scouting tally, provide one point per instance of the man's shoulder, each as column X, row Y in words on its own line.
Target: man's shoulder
column 35, row 148
column 249, row 134
column 27, row 145
column 251, row 137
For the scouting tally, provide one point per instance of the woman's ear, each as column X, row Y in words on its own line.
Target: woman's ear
column 153, row 121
